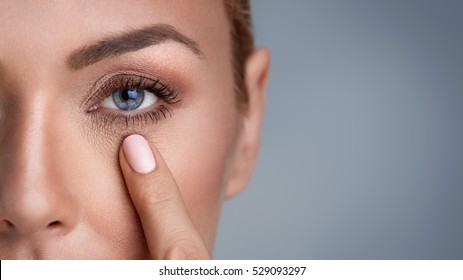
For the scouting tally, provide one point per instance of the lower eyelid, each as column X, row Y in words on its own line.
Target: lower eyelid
column 129, row 120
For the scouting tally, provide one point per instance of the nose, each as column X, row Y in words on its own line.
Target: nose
column 34, row 186
column 28, row 211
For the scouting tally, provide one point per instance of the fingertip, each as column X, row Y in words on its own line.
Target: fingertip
column 138, row 154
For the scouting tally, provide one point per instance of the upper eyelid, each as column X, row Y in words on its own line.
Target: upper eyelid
column 96, row 88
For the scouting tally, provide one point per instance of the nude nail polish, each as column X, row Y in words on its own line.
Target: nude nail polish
column 138, row 154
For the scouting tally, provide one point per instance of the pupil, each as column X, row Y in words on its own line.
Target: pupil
column 129, row 93
column 125, row 95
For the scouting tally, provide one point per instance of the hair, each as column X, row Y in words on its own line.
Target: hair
column 242, row 44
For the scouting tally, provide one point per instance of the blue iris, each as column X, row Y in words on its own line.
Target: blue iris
column 128, row 98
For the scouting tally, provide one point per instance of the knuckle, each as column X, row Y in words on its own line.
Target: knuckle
column 151, row 196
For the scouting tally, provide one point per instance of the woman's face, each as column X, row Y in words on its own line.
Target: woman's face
column 68, row 72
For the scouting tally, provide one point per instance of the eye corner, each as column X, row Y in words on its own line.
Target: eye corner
column 92, row 108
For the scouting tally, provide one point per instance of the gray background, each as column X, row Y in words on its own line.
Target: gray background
column 362, row 153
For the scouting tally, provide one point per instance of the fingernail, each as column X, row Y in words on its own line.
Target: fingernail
column 138, row 154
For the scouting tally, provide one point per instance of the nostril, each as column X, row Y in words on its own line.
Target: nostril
column 7, row 224
column 54, row 224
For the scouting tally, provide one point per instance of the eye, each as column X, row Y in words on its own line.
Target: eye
column 132, row 100
column 129, row 99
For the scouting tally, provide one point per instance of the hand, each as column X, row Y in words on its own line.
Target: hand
column 169, row 231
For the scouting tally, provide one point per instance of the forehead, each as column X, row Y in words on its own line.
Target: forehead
column 37, row 28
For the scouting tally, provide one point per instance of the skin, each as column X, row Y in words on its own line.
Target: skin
column 67, row 188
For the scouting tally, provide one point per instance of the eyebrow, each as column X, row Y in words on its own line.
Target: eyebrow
column 128, row 42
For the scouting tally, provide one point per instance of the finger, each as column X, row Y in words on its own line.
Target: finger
column 169, row 231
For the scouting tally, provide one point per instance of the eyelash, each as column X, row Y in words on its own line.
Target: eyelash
column 164, row 92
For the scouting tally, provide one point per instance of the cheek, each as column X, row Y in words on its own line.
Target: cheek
column 106, row 216
column 109, row 212
column 197, row 147
column 199, row 167
column 196, row 143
